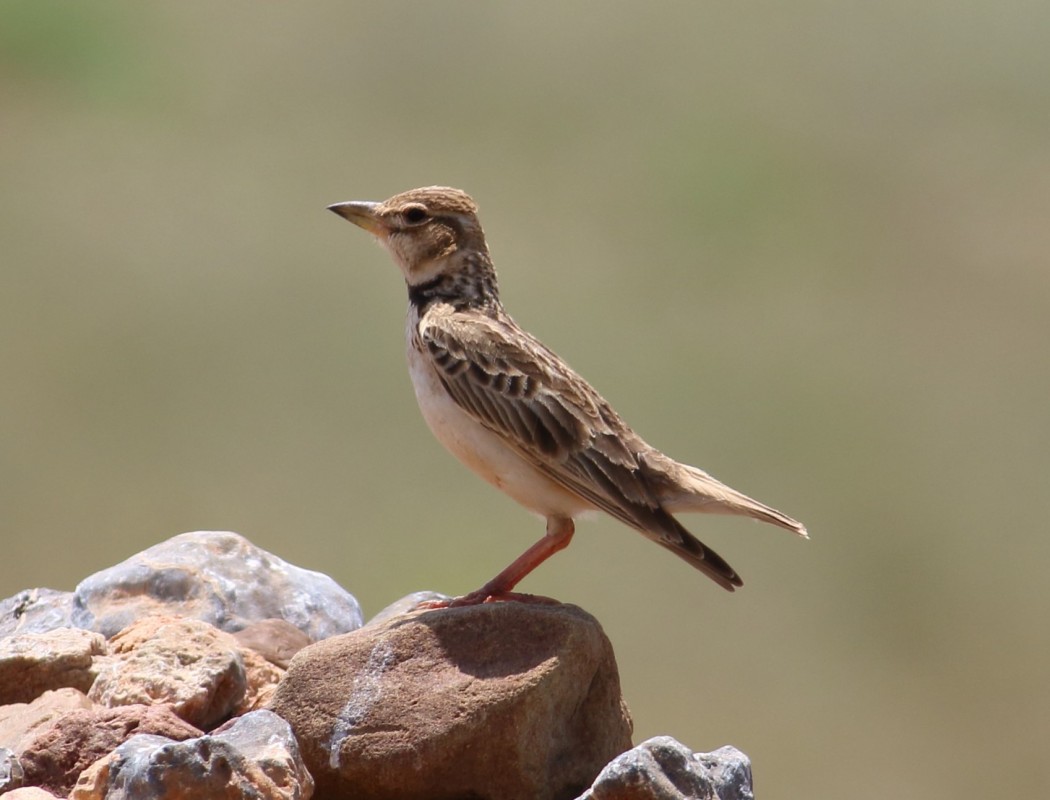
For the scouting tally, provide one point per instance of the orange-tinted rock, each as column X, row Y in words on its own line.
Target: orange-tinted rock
column 262, row 680
column 183, row 663
column 58, row 753
column 254, row 756
column 30, row 793
column 20, row 721
column 33, row 663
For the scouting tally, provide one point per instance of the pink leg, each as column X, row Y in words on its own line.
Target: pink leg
column 559, row 534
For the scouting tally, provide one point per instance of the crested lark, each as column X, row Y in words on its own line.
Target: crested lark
column 515, row 413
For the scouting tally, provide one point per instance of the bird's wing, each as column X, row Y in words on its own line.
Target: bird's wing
column 512, row 384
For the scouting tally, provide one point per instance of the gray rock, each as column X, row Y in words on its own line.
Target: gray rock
column 730, row 771
column 267, row 740
column 36, row 611
column 215, row 576
column 515, row 701
column 10, row 771
column 255, row 756
column 406, row 605
column 662, row 768
column 32, row 663
column 186, row 664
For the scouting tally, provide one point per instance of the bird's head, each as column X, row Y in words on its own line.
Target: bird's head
column 429, row 232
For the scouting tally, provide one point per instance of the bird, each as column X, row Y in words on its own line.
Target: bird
column 515, row 413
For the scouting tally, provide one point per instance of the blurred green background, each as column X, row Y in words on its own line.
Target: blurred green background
column 803, row 246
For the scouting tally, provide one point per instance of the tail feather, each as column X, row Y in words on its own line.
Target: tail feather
column 685, row 488
column 670, row 533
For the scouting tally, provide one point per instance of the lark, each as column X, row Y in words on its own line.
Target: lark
column 515, row 413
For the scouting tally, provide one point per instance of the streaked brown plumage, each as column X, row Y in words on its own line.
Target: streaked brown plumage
column 517, row 414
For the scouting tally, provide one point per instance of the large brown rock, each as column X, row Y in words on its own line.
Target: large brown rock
column 187, row 664
column 58, row 753
column 32, row 663
column 502, row 701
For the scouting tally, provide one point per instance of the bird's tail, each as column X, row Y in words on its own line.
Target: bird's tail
column 692, row 489
column 670, row 533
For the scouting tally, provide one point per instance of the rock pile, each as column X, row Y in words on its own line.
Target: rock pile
column 205, row 667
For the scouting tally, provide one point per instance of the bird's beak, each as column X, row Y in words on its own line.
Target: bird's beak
column 363, row 214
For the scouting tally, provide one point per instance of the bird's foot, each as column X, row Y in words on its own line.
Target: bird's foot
column 484, row 595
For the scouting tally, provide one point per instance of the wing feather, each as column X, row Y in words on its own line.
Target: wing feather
column 512, row 384
column 515, row 386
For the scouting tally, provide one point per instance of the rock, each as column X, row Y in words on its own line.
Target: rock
column 184, row 663
column 276, row 640
column 19, row 722
column 730, row 772
column 56, row 755
column 664, row 769
column 507, row 700
column 262, row 680
column 10, row 771
column 36, row 611
column 406, row 605
column 254, row 756
column 29, row 793
column 32, row 663
column 215, row 576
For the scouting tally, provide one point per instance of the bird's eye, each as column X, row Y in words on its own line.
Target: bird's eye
column 414, row 215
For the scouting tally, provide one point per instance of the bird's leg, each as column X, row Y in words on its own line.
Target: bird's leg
column 559, row 534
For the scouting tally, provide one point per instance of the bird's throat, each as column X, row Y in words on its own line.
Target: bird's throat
column 471, row 285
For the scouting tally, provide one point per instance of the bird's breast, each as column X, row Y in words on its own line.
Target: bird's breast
column 482, row 450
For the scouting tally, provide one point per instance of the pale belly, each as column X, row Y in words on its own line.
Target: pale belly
column 483, row 451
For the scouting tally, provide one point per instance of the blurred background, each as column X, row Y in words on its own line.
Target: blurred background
column 803, row 246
